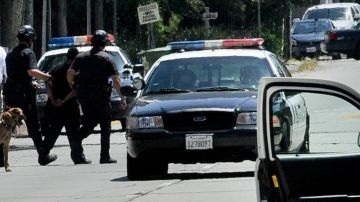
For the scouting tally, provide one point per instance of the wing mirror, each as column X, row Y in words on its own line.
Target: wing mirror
column 357, row 17
column 130, row 82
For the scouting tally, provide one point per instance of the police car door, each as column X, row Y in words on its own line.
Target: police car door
column 330, row 169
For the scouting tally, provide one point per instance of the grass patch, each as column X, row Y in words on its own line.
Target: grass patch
column 308, row 65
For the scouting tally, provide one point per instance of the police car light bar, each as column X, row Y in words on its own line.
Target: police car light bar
column 69, row 41
column 216, row 44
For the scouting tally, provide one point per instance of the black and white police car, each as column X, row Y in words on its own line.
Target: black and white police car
column 57, row 55
column 210, row 116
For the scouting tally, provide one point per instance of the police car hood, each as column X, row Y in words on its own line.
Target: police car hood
column 195, row 101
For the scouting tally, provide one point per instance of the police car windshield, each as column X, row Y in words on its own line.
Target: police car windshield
column 220, row 73
column 52, row 61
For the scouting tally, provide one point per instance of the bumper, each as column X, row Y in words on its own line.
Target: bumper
column 340, row 47
column 228, row 146
column 306, row 50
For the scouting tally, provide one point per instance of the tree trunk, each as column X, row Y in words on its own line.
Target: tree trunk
column 59, row 14
column 98, row 14
column 287, row 30
column 29, row 12
column 11, row 20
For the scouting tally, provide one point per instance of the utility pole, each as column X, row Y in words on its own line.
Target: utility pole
column 114, row 19
column 207, row 16
column 207, row 23
column 259, row 17
column 88, row 16
column 43, row 30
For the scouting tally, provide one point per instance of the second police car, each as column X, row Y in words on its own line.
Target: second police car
column 199, row 104
column 57, row 55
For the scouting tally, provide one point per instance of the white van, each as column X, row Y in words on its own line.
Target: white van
column 343, row 15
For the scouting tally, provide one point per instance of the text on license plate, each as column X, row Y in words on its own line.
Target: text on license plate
column 311, row 49
column 199, row 141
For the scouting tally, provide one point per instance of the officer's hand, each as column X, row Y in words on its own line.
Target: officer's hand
column 36, row 85
column 123, row 103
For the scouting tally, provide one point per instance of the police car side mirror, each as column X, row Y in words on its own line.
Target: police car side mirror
column 131, row 82
column 139, row 68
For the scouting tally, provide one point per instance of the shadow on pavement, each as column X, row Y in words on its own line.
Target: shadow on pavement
column 192, row 176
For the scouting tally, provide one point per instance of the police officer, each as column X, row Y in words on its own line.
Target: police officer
column 20, row 90
column 62, row 110
column 94, row 68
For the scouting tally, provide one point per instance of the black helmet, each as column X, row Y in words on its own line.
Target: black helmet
column 100, row 38
column 26, row 32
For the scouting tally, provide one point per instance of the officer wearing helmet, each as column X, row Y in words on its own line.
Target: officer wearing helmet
column 19, row 89
column 93, row 69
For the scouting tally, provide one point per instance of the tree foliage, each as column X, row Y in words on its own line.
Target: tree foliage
column 180, row 20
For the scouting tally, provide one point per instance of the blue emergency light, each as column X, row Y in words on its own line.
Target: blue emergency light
column 69, row 41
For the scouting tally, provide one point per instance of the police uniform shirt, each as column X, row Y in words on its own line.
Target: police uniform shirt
column 95, row 68
column 18, row 62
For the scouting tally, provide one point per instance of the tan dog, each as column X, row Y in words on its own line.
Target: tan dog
column 8, row 121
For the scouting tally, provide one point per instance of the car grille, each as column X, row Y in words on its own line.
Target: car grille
column 311, row 43
column 199, row 121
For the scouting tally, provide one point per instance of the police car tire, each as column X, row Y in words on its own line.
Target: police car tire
column 136, row 169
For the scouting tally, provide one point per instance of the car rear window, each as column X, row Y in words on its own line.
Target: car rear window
column 327, row 13
column 52, row 61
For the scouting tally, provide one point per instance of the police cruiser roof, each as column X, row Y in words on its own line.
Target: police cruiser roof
column 215, row 48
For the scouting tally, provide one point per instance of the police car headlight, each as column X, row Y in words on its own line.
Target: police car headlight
column 145, row 122
column 246, row 118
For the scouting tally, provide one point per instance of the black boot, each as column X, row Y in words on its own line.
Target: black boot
column 45, row 158
column 76, row 153
column 107, row 160
column 81, row 160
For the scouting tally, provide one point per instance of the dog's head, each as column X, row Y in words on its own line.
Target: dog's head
column 14, row 115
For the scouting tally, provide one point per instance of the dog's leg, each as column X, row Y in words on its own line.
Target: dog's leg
column 6, row 147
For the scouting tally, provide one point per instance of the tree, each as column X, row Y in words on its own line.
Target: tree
column 98, row 14
column 11, row 20
column 59, row 15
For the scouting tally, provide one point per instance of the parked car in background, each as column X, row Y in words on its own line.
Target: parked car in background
column 307, row 37
column 198, row 104
column 334, row 149
column 57, row 55
column 343, row 15
column 344, row 41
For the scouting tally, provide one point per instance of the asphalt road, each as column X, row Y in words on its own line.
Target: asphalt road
column 63, row 181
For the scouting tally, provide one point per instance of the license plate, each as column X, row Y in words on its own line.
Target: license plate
column 311, row 49
column 199, row 141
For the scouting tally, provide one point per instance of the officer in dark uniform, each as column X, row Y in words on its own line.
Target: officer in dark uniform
column 62, row 109
column 94, row 68
column 19, row 89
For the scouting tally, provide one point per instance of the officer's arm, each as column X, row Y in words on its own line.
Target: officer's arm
column 117, row 84
column 39, row 74
column 70, row 77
